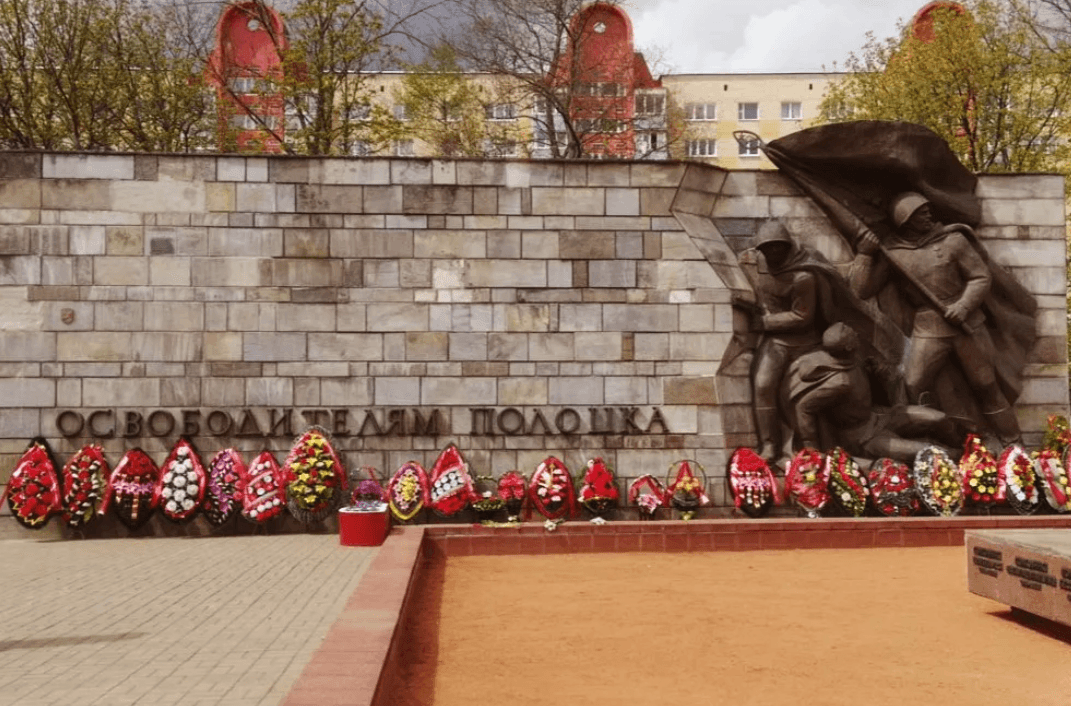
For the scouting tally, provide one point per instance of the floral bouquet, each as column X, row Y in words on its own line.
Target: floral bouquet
column 1057, row 436
column 983, row 482
column 751, row 483
column 648, row 494
column 807, row 481
column 1020, row 476
column 223, row 487
column 450, row 483
column 687, row 491
column 33, row 491
column 485, row 501
column 316, row 481
column 132, row 487
column 938, row 481
column 368, row 496
column 551, row 491
column 182, row 484
column 511, row 491
column 84, row 480
column 263, row 489
column 847, row 483
column 1054, row 481
column 599, row 491
column 407, row 492
column 892, row 490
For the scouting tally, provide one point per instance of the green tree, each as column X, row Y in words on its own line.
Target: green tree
column 985, row 82
column 447, row 110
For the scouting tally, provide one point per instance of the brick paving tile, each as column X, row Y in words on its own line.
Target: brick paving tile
column 192, row 621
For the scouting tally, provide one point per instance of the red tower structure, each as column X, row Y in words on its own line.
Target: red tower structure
column 245, row 68
column 602, row 73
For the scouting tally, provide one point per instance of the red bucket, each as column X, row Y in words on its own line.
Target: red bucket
column 360, row 528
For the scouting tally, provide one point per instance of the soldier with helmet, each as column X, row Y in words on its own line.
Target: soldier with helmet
column 789, row 296
column 945, row 281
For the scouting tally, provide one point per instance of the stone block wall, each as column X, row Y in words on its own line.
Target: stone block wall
column 519, row 309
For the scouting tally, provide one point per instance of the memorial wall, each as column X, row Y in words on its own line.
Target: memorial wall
column 518, row 309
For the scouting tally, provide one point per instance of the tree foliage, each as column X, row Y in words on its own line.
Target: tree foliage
column 986, row 82
column 97, row 74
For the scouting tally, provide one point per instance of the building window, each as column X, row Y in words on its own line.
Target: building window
column 701, row 148
column 604, row 125
column 650, row 104
column 403, row 148
column 792, row 111
column 748, row 148
column 700, row 111
column 501, row 111
column 649, row 142
column 361, row 148
column 400, row 113
column 359, row 112
column 248, row 121
column 605, row 89
column 243, row 85
column 500, row 148
column 747, row 111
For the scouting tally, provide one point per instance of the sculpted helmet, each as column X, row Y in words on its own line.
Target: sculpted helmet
column 772, row 231
column 905, row 205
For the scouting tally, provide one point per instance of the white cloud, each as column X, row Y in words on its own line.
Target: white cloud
column 761, row 35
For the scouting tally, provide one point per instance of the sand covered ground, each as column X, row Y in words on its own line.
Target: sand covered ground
column 771, row 628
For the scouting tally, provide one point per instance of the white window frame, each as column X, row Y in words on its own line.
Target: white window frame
column 703, row 147
column 400, row 112
column 791, row 110
column 650, row 104
column 701, row 111
column 403, row 148
column 650, row 141
column 742, row 110
column 500, row 112
column 748, row 148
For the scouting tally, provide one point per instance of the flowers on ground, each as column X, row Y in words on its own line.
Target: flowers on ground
column 84, row 479
column 938, row 481
column 847, row 484
column 1017, row 469
column 132, row 487
column 687, row 490
column 648, row 494
column 599, row 491
column 1054, row 480
column 752, row 483
column 262, row 489
column 316, row 481
column 33, row 491
column 407, row 491
column 511, row 491
column 982, row 479
column 182, row 483
column 892, row 489
column 223, row 487
column 807, row 481
column 551, row 490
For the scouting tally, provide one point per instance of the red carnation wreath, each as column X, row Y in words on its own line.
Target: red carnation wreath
column 752, row 483
column 450, row 483
column 807, row 481
column 1054, row 481
column 85, row 477
column 892, row 489
column 551, row 490
column 599, row 492
column 263, row 489
column 132, row 489
column 33, row 491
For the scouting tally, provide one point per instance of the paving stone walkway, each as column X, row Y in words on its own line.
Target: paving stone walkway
column 228, row 620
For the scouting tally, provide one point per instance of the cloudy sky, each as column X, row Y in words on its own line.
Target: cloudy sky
column 716, row 36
